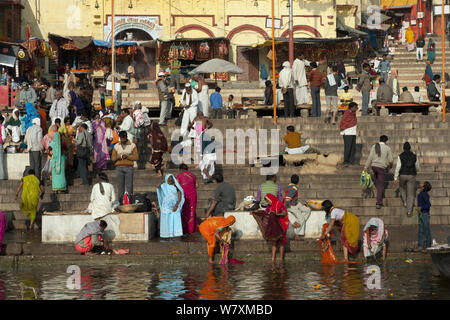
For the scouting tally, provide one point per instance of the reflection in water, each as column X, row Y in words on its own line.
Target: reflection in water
column 217, row 285
column 306, row 280
column 352, row 285
column 275, row 286
column 190, row 285
column 170, row 285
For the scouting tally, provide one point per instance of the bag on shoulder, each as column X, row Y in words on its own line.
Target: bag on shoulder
column 83, row 152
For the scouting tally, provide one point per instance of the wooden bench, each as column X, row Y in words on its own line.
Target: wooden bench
column 400, row 107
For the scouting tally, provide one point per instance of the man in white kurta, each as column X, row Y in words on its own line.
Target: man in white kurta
column 189, row 101
column 60, row 108
column 101, row 204
column 301, row 84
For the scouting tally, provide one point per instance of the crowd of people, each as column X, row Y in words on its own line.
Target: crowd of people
column 303, row 81
column 66, row 136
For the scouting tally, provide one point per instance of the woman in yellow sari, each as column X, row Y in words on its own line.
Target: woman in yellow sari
column 347, row 224
column 30, row 196
column 409, row 36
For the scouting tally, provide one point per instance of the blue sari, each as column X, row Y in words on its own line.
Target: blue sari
column 32, row 113
column 58, row 164
column 170, row 221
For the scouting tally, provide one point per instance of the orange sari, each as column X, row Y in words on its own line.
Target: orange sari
column 209, row 227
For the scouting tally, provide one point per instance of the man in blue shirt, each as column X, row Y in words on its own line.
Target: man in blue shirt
column 385, row 67
column 216, row 104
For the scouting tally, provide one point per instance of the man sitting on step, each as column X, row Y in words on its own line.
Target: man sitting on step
column 269, row 186
column 406, row 96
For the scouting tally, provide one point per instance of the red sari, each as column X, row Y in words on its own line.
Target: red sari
column 273, row 222
column 187, row 181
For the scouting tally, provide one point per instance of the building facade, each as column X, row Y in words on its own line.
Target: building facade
column 242, row 22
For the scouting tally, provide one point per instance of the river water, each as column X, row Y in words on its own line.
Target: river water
column 250, row 281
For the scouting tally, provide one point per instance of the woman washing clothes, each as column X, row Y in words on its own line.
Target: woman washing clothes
column 346, row 223
column 273, row 223
column 215, row 229
column 374, row 239
column 90, row 239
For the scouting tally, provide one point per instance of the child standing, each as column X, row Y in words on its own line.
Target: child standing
column 423, row 204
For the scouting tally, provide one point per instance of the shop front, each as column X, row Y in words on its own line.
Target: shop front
column 329, row 50
column 136, row 28
column 193, row 52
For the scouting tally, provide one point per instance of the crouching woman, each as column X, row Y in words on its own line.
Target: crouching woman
column 346, row 223
column 214, row 229
column 374, row 239
column 90, row 239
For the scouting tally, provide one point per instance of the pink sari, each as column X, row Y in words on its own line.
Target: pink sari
column 188, row 214
column 2, row 226
column 101, row 154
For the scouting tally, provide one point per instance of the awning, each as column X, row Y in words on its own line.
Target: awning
column 76, row 42
column 408, row 6
column 340, row 26
column 195, row 39
column 8, row 54
column 82, row 41
column 268, row 43
column 121, row 43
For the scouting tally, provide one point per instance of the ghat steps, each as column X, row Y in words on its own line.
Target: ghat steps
column 428, row 136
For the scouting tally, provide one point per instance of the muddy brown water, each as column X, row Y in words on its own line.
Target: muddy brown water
column 251, row 281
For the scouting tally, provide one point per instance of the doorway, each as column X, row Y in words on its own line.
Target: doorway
column 248, row 61
column 144, row 62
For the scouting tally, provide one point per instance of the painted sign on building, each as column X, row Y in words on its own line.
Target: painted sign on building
column 148, row 24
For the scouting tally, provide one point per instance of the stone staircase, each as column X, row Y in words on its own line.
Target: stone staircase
column 427, row 134
column 410, row 72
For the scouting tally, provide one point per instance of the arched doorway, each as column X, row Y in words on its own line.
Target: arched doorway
column 144, row 62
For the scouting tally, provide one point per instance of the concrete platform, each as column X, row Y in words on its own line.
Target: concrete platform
column 63, row 228
column 246, row 228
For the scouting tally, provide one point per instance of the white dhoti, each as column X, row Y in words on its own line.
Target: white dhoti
column 300, row 150
column 301, row 94
column 299, row 214
column 188, row 116
column 203, row 101
column 207, row 162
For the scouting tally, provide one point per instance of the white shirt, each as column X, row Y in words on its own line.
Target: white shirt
column 127, row 125
column 79, row 120
column 337, row 214
column 299, row 72
column 33, row 138
column 349, row 131
column 286, row 79
column 185, row 102
column 417, row 96
column 59, row 109
column 101, row 205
